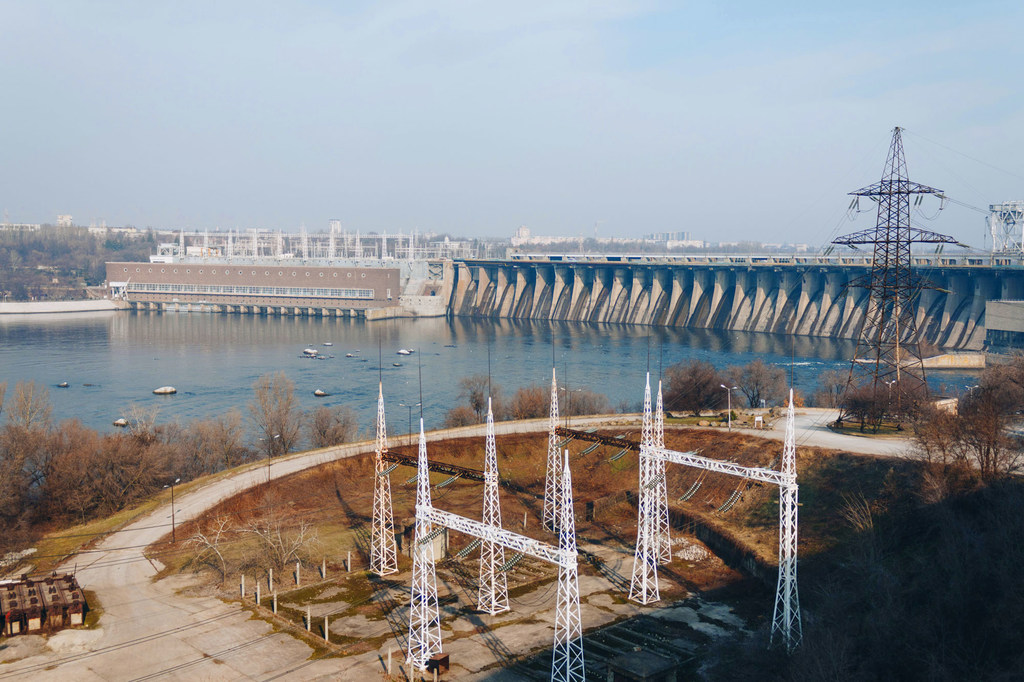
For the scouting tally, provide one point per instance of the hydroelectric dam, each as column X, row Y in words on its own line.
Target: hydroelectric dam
column 804, row 295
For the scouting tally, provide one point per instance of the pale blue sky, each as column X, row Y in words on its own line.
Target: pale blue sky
column 746, row 121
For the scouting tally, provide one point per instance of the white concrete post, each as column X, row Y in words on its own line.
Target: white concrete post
column 389, row 659
column 257, row 593
column 242, row 587
column 309, row 620
column 296, row 573
column 275, row 602
column 270, row 580
column 323, row 569
column 348, row 562
column 327, row 632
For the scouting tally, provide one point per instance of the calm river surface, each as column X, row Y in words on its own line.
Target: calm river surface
column 114, row 360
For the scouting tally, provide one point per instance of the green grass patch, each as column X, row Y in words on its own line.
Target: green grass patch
column 94, row 611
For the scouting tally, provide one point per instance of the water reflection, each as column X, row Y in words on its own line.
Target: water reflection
column 213, row 360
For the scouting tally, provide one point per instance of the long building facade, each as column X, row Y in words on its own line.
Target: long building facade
column 255, row 286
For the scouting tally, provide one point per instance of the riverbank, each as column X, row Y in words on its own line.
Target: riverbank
column 50, row 307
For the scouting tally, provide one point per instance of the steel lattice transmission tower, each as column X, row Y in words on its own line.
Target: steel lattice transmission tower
column 887, row 347
column 424, row 617
column 493, row 591
column 567, row 656
column 383, row 557
column 786, row 619
column 660, row 503
column 644, row 586
column 552, row 484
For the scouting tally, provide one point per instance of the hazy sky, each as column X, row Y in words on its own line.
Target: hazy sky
column 744, row 120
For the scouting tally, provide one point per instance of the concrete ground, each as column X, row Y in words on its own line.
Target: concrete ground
column 149, row 630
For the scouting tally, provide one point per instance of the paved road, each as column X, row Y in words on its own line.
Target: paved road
column 149, row 631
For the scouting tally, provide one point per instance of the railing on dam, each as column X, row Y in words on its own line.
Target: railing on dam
column 969, row 259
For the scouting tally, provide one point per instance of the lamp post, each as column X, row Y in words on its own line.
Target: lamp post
column 728, row 392
column 410, row 406
column 270, row 452
column 888, row 395
column 174, row 531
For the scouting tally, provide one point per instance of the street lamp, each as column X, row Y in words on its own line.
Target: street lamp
column 174, row 532
column 270, row 452
column 888, row 385
column 410, row 406
column 728, row 392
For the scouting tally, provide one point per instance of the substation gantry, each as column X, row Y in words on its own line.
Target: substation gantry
column 652, row 533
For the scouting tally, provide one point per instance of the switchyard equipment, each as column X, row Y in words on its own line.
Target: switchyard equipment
column 786, row 622
column 567, row 663
column 1006, row 225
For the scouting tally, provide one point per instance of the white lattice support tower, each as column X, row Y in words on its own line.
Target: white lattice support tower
column 644, row 586
column 786, row 619
column 662, row 528
column 567, row 656
column 424, row 618
column 383, row 556
column 493, row 590
column 552, row 484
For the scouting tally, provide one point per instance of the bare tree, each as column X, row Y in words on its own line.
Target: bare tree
column 30, row 406
column 759, row 381
column 460, row 415
column 584, row 401
column 530, row 402
column 831, row 383
column 207, row 542
column 141, row 422
column 475, row 390
column 276, row 412
column 332, row 426
column 280, row 544
column 694, row 386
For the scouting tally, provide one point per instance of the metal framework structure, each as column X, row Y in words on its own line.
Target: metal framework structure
column 887, row 347
column 662, row 530
column 786, row 619
column 493, row 589
column 1006, row 225
column 644, row 587
column 567, row 659
column 424, row 617
column 552, row 485
column 383, row 556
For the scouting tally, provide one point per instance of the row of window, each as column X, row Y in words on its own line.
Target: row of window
column 296, row 292
column 266, row 273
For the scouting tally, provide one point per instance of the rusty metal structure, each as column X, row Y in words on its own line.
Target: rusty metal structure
column 33, row 605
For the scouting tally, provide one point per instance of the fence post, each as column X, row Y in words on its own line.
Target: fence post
column 309, row 620
column 275, row 602
column 296, row 573
column 242, row 586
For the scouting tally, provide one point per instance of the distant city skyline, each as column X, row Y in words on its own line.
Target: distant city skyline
column 746, row 122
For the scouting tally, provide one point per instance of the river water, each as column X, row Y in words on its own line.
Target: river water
column 114, row 360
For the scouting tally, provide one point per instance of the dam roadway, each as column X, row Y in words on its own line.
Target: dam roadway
column 803, row 295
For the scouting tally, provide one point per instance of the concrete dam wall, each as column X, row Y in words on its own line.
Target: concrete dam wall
column 805, row 296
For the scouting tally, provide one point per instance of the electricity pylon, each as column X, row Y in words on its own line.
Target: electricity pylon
column 644, row 585
column 660, row 485
column 888, row 350
column 786, row 619
column 383, row 556
column 552, row 484
column 567, row 656
column 493, row 590
column 424, row 617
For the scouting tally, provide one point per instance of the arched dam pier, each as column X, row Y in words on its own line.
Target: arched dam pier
column 807, row 296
